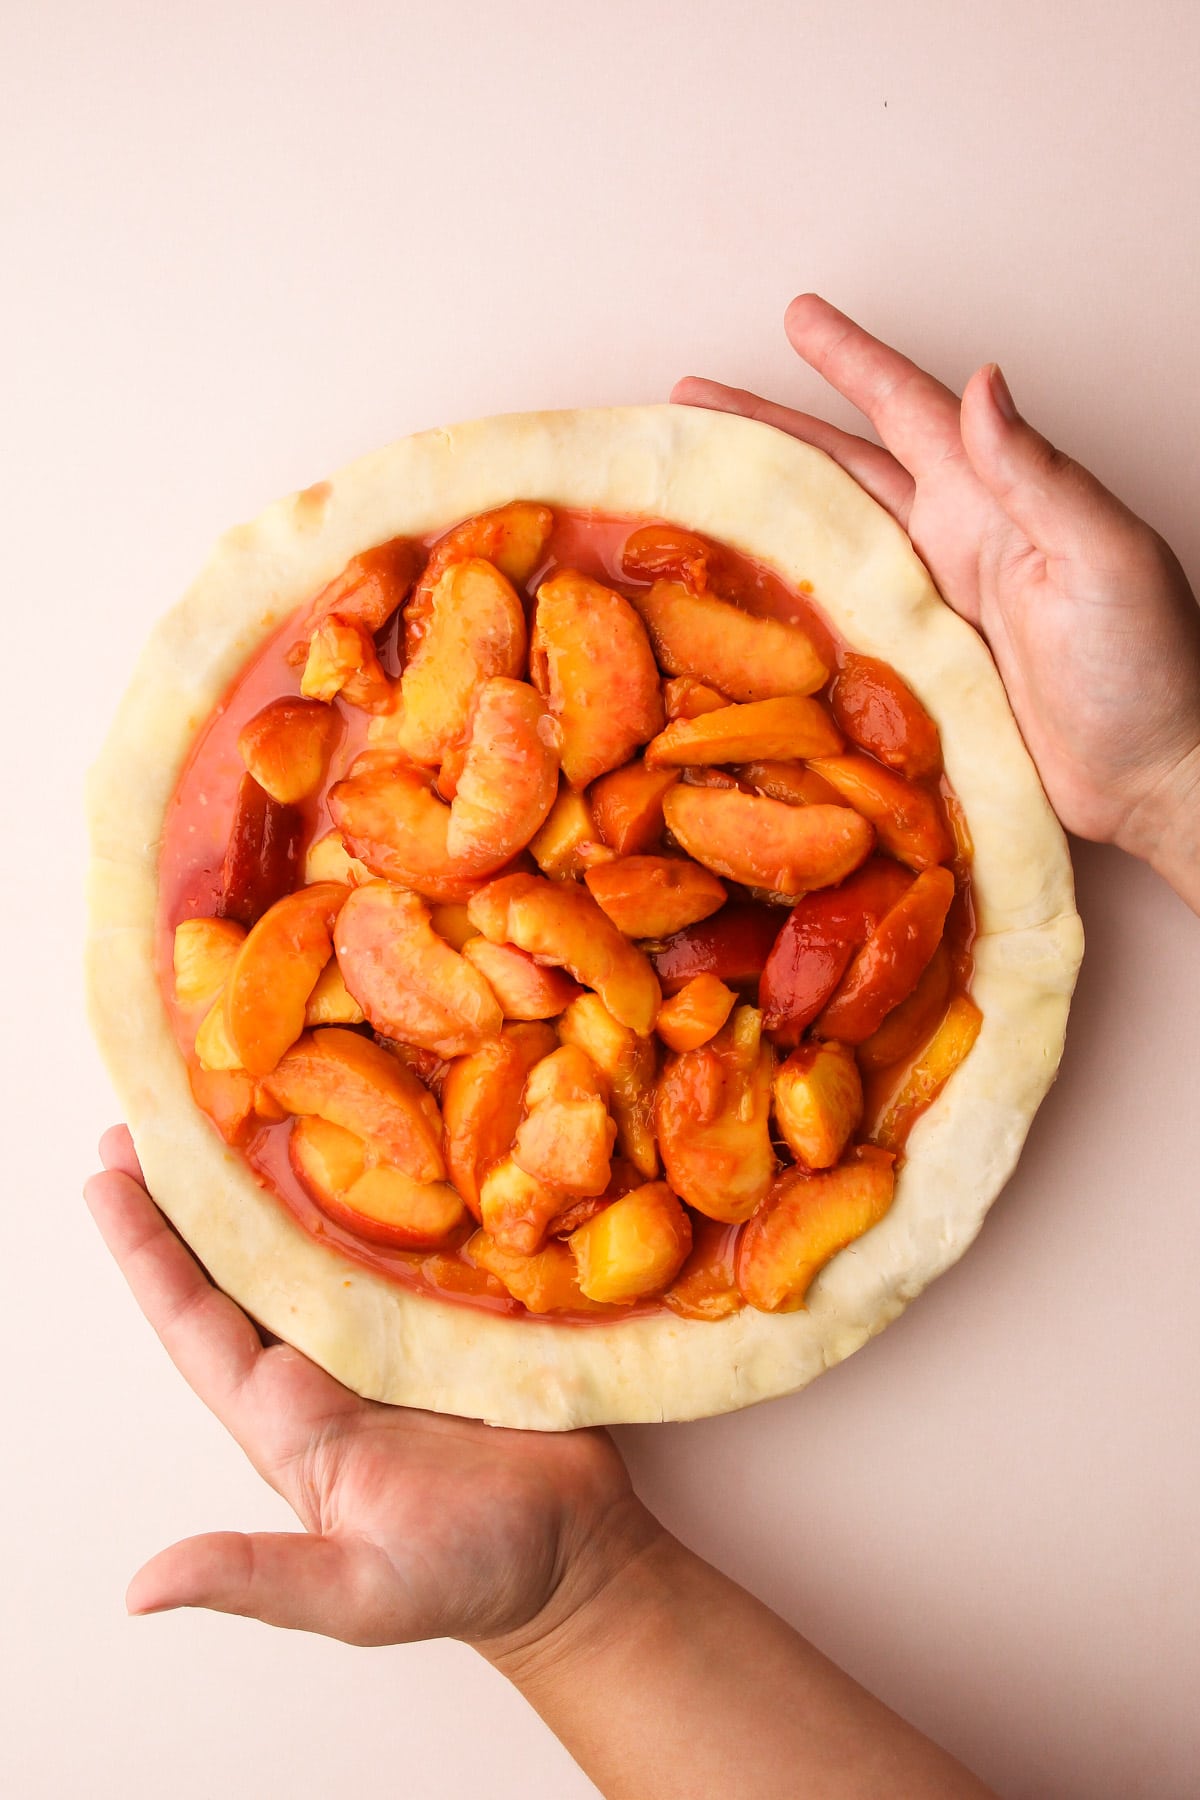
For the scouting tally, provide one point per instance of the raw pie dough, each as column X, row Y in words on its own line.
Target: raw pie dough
column 764, row 494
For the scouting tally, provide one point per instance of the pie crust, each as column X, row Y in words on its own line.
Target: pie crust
column 770, row 497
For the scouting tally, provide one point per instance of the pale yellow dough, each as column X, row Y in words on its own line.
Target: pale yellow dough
column 762, row 493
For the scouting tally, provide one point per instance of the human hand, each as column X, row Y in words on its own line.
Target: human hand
column 1086, row 610
column 417, row 1525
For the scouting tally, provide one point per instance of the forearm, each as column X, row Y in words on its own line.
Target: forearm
column 1165, row 832
column 674, row 1682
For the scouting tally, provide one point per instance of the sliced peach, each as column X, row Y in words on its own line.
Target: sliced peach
column 652, row 896
column 569, row 826
column 262, row 855
column 546, row 1282
column 653, row 552
column 889, row 965
column 329, row 860
column 408, row 981
column 204, row 952
column 765, row 843
column 331, row 1002
column 911, row 821
column 628, row 806
column 911, row 1023
column 566, row 1138
column 634, row 1248
column 746, row 657
column 818, row 1102
column 377, row 1202
column 816, row 942
column 215, row 1049
column 342, row 660
column 686, row 698
column 392, row 821
column 452, row 923
column 789, row 726
column 517, row 1207
column 327, row 1159
column 562, row 924
column 342, row 1076
column 367, row 592
column 627, row 1063
column 475, row 630
column 705, row 1287
column 513, row 537
column 591, row 657
column 880, row 713
column 276, row 970
column 713, row 1116
column 287, row 745
column 481, row 1103
column 695, row 1014
column 523, row 987
column 787, row 781
column 733, row 945
column 895, row 1110
column 807, row 1219
column 230, row 1098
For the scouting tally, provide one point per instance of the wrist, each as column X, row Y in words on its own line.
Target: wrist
column 1164, row 828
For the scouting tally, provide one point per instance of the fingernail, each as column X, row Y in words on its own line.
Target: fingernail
column 1000, row 395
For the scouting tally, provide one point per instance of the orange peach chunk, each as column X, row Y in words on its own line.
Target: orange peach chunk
column 517, row 1207
column 562, row 924
column 328, row 859
column 686, row 698
column 818, row 1102
column 634, row 1248
column 523, row 987
column 628, row 807
column 331, row 1002
column 546, row 1282
column 566, row 1138
column 215, row 1049
column 695, row 1014
column 451, row 922
column 366, row 593
column 746, row 657
column 376, row 1201
column 233, row 1102
column 203, row 954
column 475, row 630
column 895, row 1115
column 408, row 981
column 513, row 537
column 807, row 1219
column 287, row 745
column 789, row 726
column 591, row 657
column 705, row 1287
column 652, row 896
column 911, row 821
column 910, row 1024
column 627, row 1062
column 342, row 1076
column 713, row 1114
column 275, row 971
column 342, row 660
column 764, row 843
column 569, row 826
column 481, row 1103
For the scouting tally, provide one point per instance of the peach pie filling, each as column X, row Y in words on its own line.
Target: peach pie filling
column 559, row 917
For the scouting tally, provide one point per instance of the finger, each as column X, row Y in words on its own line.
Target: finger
column 283, row 1578
column 117, row 1152
column 916, row 416
column 873, row 468
column 1063, row 510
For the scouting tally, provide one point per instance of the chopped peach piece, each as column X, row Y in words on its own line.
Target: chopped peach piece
column 627, row 1062
column 652, row 896
column 895, row 1113
column 633, row 1248
column 331, row 1002
column 628, row 807
column 376, row 1201
column 393, row 822
column 880, row 713
column 807, row 1219
column 287, row 745
column 654, row 551
column 475, row 630
column 523, row 987
column 204, row 952
column 705, row 1287
column 513, row 537
column 686, row 698
column 546, row 1282
column 765, row 843
column 713, row 1115
column 566, row 1138
column 215, row 1049
column 569, row 826
column 262, row 854
column 695, row 1014
column 276, row 970
column 231, row 1099
column 816, row 942
column 562, row 924
column 591, row 657
column 911, row 1023
column 329, row 860
column 481, row 1103
column 342, row 1076
column 891, row 962
column 342, row 660
column 788, row 781
column 910, row 820
column 789, row 726
column 517, row 1207
column 366, row 593
column 818, row 1102
column 733, row 945
column 451, row 922
column 746, row 657
column 408, row 981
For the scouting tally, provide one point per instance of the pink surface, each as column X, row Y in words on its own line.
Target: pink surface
column 253, row 241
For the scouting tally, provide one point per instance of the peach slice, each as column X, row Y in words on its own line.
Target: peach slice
column 807, row 1219
column 786, row 727
column 342, row 660
column 713, row 1115
column 481, row 1103
column 816, row 942
column 544, row 1283
column 562, row 924
column 818, row 1102
column 787, row 781
column 475, row 630
column 452, row 923
column 557, row 846
column 392, row 821
column 232, row 1100
column 516, row 1207
column 733, row 945
column 287, row 745
column 591, row 657
column 331, row 1002
column 634, row 1248
column 204, row 951
column 262, row 854
column 891, row 962
column 764, row 843
column 276, row 970
column 880, row 713
column 911, row 1023
column 627, row 1063
column 366, row 593
column 328, row 859
column 705, row 1287
column 910, row 820
column 746, row 657
column 897, row 1109
column 327, row 1159
column 375, row 1201
column 652, row 896
column 215, row 1049
column 523, row 987
column 566, row 1138
column 654, row 551
column 343, row 1077
column 409, row 982
column 686, row 698
column 695, row 1014
column 513, row 537
column 628, row 807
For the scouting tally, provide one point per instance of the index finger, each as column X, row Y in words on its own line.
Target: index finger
column 917, row 418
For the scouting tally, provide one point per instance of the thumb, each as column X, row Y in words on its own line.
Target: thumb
column 1062, row 509
column 283, row 1578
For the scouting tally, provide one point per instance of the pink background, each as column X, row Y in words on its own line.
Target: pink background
column 252, row 241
